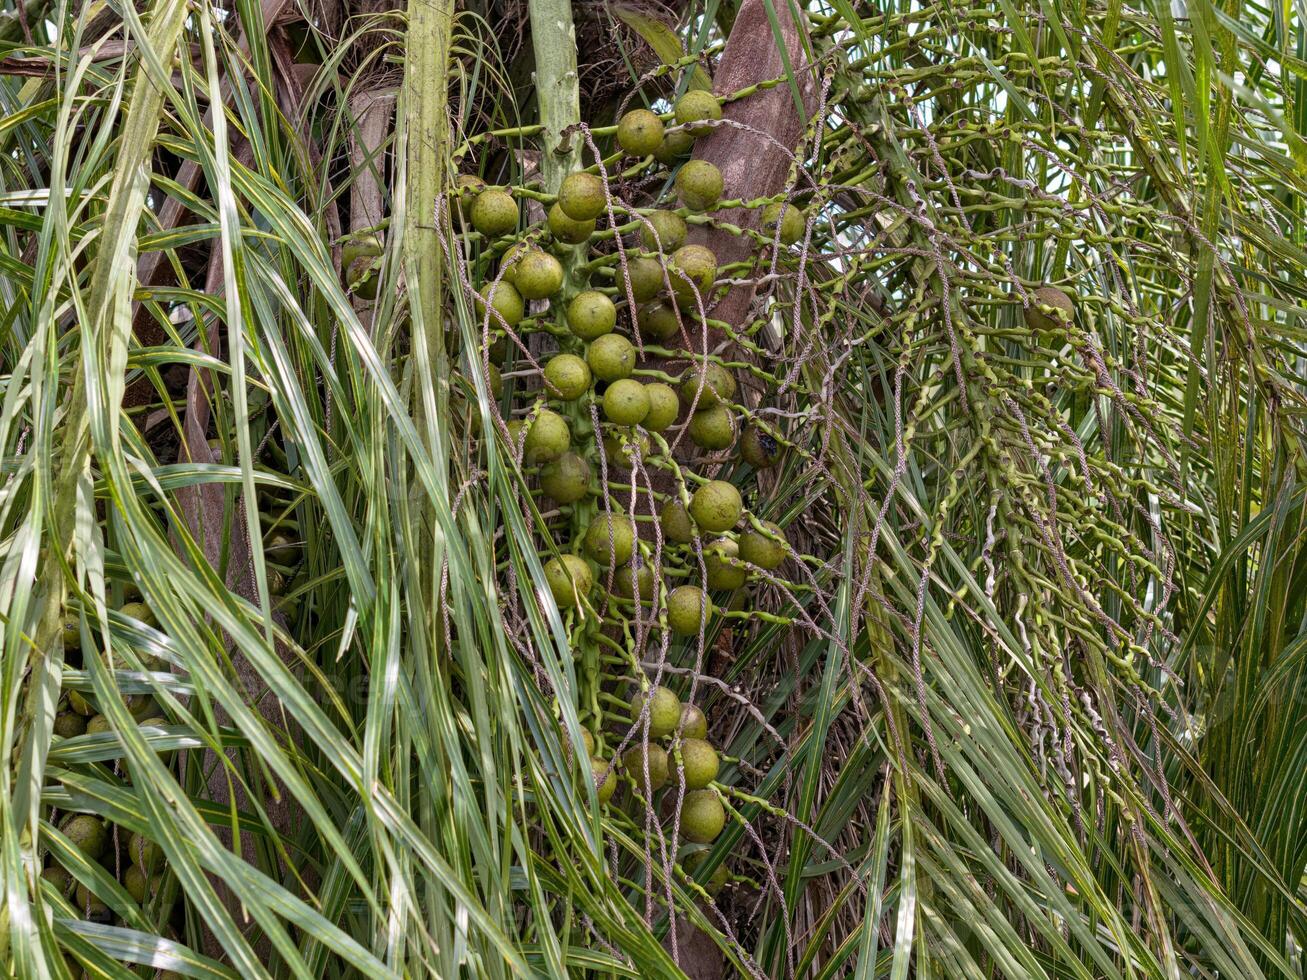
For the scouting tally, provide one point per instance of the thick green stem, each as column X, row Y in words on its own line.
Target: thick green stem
column 553, row 39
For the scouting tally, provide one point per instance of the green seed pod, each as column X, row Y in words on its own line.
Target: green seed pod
column 718, row 880
column 621, row 445
column 1063, row 310
column 626, row 402
column 646, row 277
column 791, row 224
column 140, row 885
column 702, row 817
column 548, row 438
column 568, row 230
column 664, row 711
column 591, row 315
column 581, row 196
column 675, row 145
column 688, row 607
column 566, row 479
column 69, row 724
column 634, row 762
column 721, row 573
column 611, row 357
column 494, row 213
column 712, row 427
column 610, row 539
column 692, row 271
column 570, row 580
column 538, row 275
column 663, row 231
column 639, row 133
column 140, row 612
column 699, row 185
column 664, row 406
column 567, row 377
column 658, row 320
column 697, row 106
column 88, row 834
column 631, row 576
column 694, row 723
column 759, row 549
column 699, row 763
column 603, row 790
column 716, row 506
column 675, row 521
column 759, row 449
column 710, row 383
column 505, row 299
column 144, row 852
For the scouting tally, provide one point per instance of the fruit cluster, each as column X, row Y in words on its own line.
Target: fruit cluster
column 596, row 314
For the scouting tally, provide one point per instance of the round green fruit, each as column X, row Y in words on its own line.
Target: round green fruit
column 79, row 703
column 634, row 762
column 568, row 230
column 697, row 106
column 716, row 506
column 676, row 144
column 688, row 608
column 59, row 878
column 694, row 723
column 663, row 231
column 71, row 631
column 718, row 880
column 712, row 427
column 505, row 300
column 692, row 273
column 69, row 724
column 764, row 550
column 664, row 711
column 702, row 817
column 621, row 446
column 466, row 189
column 98, row 725
column 699, row 763
column 140, row 885
column 581, row 196
column 646, row 275
column 1062, row 310
column 605, row 785
column 639, row 133
column 699, row 185
column 566, row 479
column 675, row 522
column 658, row 320
column 707, row 385
column 721, row 564
column 587, row 741
column 144, row 852
column 591, row 315
column 569, row 580
column 360, row 259
column 610, row 539
column 567, row 377
column 87, row 833
column 140, row 612
column 494, row 213
column 538, row 275
column 633, row 576
column 759, row 448
column 790, row 224
column 611, row 357
column 548, row 438
column 664, row 406
column 626, row 402
column 508, row 262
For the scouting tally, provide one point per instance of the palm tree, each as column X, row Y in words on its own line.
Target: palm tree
column 1003, row 323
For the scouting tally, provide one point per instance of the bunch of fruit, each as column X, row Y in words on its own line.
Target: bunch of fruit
column 596, row 315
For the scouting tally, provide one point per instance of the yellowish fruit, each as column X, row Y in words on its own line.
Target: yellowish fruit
column 581, row 196
column 567, row 377
column 646, row 275
column 548, row 438
column 759, row 448
column 610, row 539
column 766, row 550
column 658, row 321
column 664, row 711
column 699, row 185
column 605, row 785
column 787, row 219
column 637, row 757
column 640, row 132
column 591, row 315
column 694, row 723
column 716, row 506
column 688, row 609
column 538, row 275
column 692, row 271
column 676, row 144
column 566, row 479
column 702, row 817
column 697, row 106
column 611, row 357
column 699, row 763
column 626, row 402
column 570, row 580
column 712, row 427
column 663, row 231
column 664, row 406
column 675, row 521
column 721, row 562
column 494, row 213
column 566, row 229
